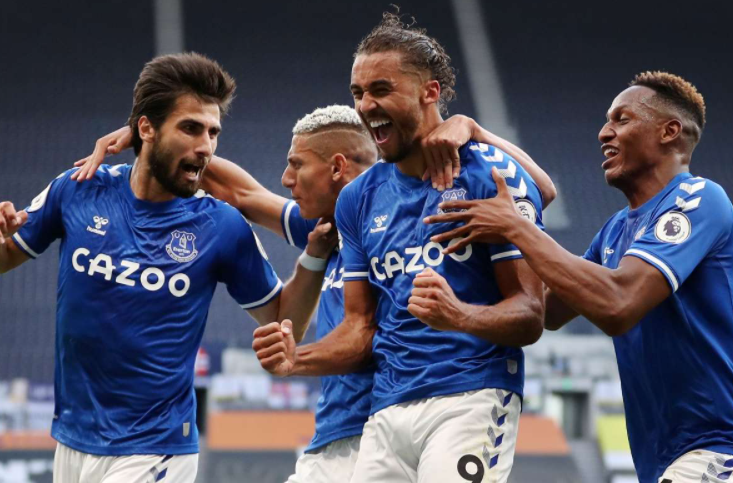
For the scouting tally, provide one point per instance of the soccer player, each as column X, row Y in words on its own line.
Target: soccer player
column 142, row 250
column 658, row 278
column 330, row 147
column 449, row 378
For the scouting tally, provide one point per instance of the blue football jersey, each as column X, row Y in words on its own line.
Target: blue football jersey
column 380, row 219
column 676, row 364
column 135, row 282
column 345, row 401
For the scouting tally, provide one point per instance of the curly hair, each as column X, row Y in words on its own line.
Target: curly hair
column 419, row 50
column 676, row 93
column 164, row 79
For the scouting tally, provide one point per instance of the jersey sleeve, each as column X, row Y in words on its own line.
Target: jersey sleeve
column 527, row 196
column 44, row 223
column 248, row 275
column 348, row 224
column 593, row 253
column 695, row 220
column 295, row 227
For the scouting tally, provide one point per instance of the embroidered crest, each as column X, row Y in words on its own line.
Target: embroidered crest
column 456, row 194
column 182, row 246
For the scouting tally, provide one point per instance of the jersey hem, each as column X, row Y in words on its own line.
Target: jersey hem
column 444, row 390
column 124, row 450
column 335, row 437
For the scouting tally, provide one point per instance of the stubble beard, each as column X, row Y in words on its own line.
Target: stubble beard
column 160, row 163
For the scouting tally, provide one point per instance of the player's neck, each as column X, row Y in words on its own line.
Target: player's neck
column 650, row 183
column 144, row 185
column 414, row 164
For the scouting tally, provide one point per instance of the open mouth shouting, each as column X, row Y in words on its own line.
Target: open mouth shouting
column 610, row 152
column 382, row 129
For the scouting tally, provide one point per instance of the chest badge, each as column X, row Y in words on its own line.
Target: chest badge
column 182, row 247
column 456, row 194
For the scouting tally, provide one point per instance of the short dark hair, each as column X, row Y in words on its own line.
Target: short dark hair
column 164, row 79
column 418, row 49
column 677, row 94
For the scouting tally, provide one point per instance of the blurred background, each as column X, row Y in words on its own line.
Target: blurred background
column 543, row 74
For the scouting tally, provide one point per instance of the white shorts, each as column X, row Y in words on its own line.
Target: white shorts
column 699, row 466
column 333, row 463
column 71, row 466
column 462, row 437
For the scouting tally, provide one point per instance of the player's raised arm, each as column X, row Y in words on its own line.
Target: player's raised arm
column 10, row 222
column 346, row 349
column 442, row 144
column 227, row 181
column 300, row 295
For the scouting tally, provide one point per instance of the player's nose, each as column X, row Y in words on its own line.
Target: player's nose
column 205, row 146
column 606, row 134
column 288, row 178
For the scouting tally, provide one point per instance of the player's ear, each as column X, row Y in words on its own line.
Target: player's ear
column 145, row 129
column 339, row 165
column 431, row 92
column 672, row 130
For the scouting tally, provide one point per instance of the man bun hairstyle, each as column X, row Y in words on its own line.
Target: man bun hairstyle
column 418, row 49
column 676, row 93
column 165, row 78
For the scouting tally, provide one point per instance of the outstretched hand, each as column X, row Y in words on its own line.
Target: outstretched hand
column 111, row 144
column 275, row 347
column 485, row 221
column 440, row 149
column 10, row 220
column 323, row 239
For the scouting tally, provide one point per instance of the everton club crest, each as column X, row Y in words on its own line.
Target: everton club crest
column 453, row 195
column 182, row 246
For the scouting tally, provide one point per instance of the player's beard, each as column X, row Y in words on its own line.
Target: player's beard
column 405, row 129
column 161, row 160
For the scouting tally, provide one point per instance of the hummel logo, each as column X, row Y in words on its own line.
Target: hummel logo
column 606, row 253
column 379, row 220
column 99, row 222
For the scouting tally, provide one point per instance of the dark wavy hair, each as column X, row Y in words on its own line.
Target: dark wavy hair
column 164, row 79
column 418, row 49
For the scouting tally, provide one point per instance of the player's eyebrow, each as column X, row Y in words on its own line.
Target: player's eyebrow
column 215, row 129
column 373, row 85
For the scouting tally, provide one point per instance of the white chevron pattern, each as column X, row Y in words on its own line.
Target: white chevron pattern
column 520, row 192
column 688, row 205
column 480, row 147
column 509, row 172
column 692, row 188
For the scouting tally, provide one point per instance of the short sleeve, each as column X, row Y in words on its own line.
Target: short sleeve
column 350, row 242
column 44, row 224
column 695, row 220
column 526, row 194
column 248, row 275
column 295, row 227
column 593, row 254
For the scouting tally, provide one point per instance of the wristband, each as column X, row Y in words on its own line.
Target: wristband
column 312, row 263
